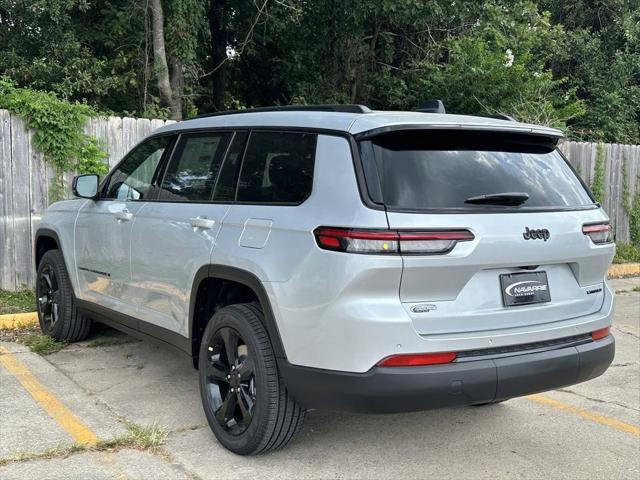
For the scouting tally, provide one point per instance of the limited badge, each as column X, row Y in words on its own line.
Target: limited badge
column 423, row 308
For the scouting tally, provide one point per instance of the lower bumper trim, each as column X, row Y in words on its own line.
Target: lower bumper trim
column 404, row 389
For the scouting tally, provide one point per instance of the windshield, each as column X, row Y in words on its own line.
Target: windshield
column 431, row 170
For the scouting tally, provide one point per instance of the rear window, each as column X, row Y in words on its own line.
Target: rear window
column 438, row 170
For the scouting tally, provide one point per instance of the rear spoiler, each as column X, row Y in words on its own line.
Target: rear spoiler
column 550, row 134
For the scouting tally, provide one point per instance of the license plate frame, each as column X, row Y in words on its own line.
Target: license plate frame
column 524, row 288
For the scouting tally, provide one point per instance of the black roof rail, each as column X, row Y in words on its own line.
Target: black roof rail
column 294, row 108
column 431, row 106
column 498, row 116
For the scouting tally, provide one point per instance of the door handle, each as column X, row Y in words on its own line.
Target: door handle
column 202, row 222
column 124, row 215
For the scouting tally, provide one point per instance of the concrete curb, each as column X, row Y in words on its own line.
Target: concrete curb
column 14, row 321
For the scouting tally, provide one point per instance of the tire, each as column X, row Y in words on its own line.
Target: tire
column 57, row 313
column 273, row 417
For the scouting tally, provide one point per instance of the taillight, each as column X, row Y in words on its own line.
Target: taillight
column 417, row 359
column 599, row 233
column 600, row 334
column 390, row 241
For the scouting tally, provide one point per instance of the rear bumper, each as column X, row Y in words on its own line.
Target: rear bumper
column 389, row 390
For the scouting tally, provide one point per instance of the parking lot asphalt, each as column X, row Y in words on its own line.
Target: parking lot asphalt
column 95, row 392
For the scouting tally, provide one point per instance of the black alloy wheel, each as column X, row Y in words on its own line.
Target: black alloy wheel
column 57, row 312
column 245, row 401
column 230, row 380
column 48, row 298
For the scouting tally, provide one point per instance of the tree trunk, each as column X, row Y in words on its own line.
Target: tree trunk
column 177, row 87
column 218, row 51
column 160, row 55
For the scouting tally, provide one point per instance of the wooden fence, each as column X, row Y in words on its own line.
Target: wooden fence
column 25, row 181
column 621, row 178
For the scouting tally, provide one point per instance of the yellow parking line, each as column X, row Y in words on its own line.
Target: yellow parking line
column 594, row 417
column 47, row 400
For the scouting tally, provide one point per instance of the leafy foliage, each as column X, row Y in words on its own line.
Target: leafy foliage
column 21, row 301
column 631, row 205
column 477, row 57
column 600, row 56
column 627, row 252
column 634, row 221
column 57, row 127
column 571, row 64
column 597, row 185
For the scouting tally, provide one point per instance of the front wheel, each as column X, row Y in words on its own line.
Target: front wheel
column 247, row 406
column 59, row 318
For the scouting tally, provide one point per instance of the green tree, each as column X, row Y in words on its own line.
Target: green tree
column 600, row 58
column 573, row 64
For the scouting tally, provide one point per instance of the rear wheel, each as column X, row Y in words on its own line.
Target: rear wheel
column 247, row 406
column 59, row 318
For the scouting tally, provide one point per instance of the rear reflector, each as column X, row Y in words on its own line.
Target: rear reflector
column 602, row 333
column 599, row 234
column 390, row 241
column 417, row 359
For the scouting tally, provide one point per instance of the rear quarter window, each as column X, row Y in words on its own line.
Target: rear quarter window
column 437, row 170
column 277, row 168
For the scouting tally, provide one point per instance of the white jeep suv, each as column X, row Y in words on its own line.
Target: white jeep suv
column 340, row 258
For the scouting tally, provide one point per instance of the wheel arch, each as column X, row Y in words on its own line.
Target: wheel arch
column 243, row 278
column 45, row 240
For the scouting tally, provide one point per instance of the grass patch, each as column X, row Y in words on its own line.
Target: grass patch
column 626, row 253
column 60, row 451
column 142, row 438
column 42, row 344
column 22, row 301
column 636, row 289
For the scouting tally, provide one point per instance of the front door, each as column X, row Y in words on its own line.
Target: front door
column 103, row 228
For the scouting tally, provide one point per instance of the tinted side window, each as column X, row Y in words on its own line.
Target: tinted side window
column 194, row 167
column 226, row 187
column 277, row 167
column 134, row 178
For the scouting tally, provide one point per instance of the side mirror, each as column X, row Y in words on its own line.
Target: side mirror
column 86, row 186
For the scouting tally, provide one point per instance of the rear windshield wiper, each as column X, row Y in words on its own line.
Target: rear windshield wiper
column 506, row 198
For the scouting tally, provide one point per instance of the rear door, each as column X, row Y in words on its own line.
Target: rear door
column 263, row 230
column 529, row 262
column 175, row 234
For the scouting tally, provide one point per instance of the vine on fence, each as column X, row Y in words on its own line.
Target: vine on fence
column 634, row 220
column 630, row 205
column 597, row 185
column 58, row 134
column 626, row 201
